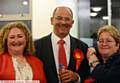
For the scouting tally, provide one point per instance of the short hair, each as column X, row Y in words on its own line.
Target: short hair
column 112, row 30
column 62, row 7
column 29, row 48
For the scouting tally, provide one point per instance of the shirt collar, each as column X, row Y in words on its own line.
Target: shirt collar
column 55, row 38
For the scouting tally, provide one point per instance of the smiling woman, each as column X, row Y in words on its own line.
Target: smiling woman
column 16, row 59
column 109, row 49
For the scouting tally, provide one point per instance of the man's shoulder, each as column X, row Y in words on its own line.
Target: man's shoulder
column 43, row 38
column 78, row 41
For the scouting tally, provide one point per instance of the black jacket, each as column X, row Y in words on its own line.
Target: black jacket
column 44, row 52
column 108, row 72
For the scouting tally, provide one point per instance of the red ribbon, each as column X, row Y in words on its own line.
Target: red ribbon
column 79, row 56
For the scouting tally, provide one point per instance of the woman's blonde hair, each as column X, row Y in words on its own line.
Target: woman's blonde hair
column 112, row 30
column 29, row 48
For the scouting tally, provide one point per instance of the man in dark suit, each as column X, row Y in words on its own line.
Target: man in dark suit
column 47, row 50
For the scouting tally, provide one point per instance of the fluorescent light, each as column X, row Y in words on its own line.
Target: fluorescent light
column 96, row 9
column 1, row 15
column 105, row 17
column 25, row 3
column 93, row 14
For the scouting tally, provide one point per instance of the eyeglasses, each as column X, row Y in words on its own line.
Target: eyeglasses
column 62, row 18
column 107, row 41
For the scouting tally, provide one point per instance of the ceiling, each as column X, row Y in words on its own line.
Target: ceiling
column 103, row 3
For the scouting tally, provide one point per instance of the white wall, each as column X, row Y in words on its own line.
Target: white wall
column 42, row 11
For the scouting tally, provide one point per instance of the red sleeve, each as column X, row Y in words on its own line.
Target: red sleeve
column 6, row 68
column 37, row 68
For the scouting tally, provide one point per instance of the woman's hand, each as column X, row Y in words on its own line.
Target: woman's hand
column 91, row 56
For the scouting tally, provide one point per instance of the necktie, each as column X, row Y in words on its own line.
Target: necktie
column 62, row 55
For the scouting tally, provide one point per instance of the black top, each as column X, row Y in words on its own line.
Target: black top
column 108, row 72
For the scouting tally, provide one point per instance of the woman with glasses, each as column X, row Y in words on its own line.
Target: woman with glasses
column 109, row 49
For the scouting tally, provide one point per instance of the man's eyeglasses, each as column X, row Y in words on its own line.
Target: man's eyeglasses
column 62, row 18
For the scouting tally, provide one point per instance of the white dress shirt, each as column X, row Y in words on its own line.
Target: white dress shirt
column 55, row 45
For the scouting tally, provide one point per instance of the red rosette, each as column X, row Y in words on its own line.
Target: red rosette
column 79, row 56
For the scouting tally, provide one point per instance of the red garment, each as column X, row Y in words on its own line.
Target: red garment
column 89, row 80
column 7, row 69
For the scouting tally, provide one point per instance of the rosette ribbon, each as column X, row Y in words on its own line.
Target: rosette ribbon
column 79, row 56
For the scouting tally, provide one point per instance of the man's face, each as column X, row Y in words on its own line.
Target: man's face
column 62, row 22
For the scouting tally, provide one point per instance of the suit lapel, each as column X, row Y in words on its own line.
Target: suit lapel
column 51, row 55
column 72, row 62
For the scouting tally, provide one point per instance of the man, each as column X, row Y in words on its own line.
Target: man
column 47, row 50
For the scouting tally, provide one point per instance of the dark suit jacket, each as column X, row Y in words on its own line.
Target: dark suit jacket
column 108, row 72
column 44, row 51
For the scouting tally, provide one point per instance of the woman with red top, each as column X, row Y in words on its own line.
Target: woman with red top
column 16, row 59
